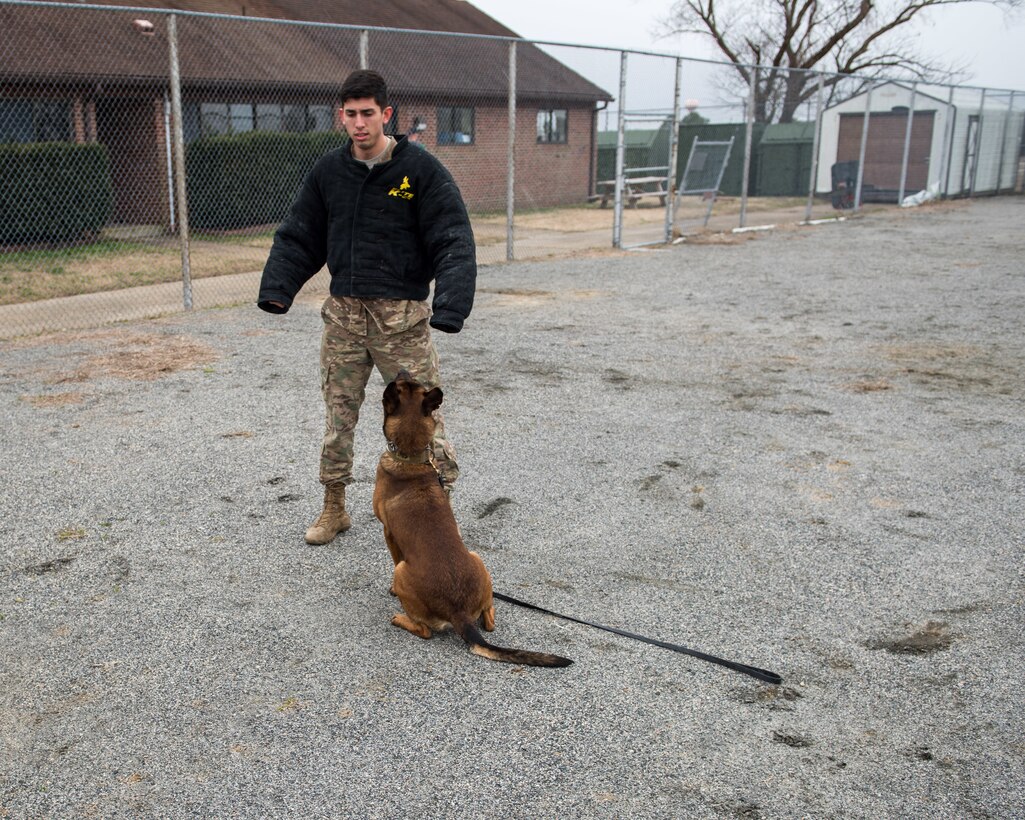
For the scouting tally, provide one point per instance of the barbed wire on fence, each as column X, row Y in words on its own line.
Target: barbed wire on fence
column 147, row 155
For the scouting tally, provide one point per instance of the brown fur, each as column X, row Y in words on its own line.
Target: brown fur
column 439, row 582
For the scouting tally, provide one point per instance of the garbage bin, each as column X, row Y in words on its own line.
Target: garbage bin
column 845, row 180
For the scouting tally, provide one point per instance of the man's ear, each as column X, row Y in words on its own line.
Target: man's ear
column 391, row 399
column 386, row 113
column 432, row 400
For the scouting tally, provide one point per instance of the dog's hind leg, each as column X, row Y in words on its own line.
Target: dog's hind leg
column 410, row 625
column 488, row 619
column 484, row 597
column 400, row 588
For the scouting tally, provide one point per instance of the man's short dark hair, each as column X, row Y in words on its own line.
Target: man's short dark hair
column 363, row 84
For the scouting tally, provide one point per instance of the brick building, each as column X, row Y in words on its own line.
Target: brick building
column 88, row 74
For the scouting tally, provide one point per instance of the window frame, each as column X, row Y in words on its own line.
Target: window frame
column 446, row 133
column 38, row 119
column 547, row 126
column 211, row 118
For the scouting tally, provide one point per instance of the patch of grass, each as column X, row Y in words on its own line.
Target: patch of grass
column 70, row 534
column 114, row 264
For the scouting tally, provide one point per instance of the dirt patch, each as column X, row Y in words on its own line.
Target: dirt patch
column 493, row 506
column 720, row 238
column 54, row 399
column 932, row 636
column 868, row 386
column 966, row 367
column 147, row 356
column 125, row 355
column 526, row 296
column 793, row 740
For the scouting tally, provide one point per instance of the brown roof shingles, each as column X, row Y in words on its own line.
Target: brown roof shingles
column 41, row 42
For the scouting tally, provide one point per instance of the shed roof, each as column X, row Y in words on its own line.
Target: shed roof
column 967, row 99
column 781, row 132
column 632, row 138
column 53, row 43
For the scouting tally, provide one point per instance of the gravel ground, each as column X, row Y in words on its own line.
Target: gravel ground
column 802, row 450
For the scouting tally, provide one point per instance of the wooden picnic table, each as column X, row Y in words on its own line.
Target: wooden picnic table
column 633, row 189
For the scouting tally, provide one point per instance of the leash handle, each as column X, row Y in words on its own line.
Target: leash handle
column 755, row 672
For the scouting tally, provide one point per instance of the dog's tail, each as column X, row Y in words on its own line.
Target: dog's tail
column 468, row 632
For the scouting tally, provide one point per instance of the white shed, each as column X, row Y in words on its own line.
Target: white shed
column 963, row 142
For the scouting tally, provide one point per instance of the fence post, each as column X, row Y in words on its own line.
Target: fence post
column 948, row 143
column 364, row 49
column 815, row 140
column 510, row 196
column 748, row 135
column 168, row 150
column 907, row 146
column 674, row 154
column 617, row 215
column 1003, row 143
column 978, row 142
column 864, row 146
column 179, row 160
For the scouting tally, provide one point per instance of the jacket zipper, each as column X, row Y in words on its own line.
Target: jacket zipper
column 352, row 232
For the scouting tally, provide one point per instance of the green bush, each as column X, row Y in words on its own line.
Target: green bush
column 53, row 191
column 250, row 179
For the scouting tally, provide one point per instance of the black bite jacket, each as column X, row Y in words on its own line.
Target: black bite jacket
column 384, row 233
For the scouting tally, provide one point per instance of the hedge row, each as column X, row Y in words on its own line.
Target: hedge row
column 53, row 191
column 250, row 179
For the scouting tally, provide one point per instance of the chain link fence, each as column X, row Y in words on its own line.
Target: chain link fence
column 147, row 156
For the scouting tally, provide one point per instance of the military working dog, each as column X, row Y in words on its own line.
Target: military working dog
column 438, row 581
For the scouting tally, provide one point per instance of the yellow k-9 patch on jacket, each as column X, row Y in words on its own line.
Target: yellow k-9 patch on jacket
column 404, row 191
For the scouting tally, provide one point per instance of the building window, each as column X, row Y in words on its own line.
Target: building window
column 35, row 121
column 241, row 115
column 320, row 118
column 455, row 126
column 210, row 119
column 551, row 125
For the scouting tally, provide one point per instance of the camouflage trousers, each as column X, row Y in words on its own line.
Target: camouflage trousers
column 360, row 334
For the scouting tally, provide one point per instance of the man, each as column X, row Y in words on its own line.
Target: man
column 387, row 219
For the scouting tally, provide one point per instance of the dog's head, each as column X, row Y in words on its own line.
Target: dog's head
column 408, row 413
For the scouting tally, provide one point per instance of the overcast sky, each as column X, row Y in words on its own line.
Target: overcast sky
column 976, row 34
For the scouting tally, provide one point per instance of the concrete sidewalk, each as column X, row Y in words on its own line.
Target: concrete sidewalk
column 151, row 301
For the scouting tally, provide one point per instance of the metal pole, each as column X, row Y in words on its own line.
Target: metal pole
column 170, row 161
column 1003, row 142
column 364, row 49
column 907, row 146
column 510, row 196
column 749, row 133
column 978, row 143
column 674, row 154
column 864, row 146
column 948, row 143
column 815, row 140
column 617, row 209
column 179, row 160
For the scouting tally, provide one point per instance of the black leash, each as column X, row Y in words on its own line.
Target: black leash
column 753, row 671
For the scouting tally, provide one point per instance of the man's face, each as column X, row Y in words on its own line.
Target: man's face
column 364, row 121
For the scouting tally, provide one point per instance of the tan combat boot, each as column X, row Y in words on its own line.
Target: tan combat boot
column 333, row 520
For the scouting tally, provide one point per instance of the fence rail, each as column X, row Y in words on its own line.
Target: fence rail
column 146, row 156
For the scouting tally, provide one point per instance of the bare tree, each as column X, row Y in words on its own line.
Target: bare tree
column 781, row 43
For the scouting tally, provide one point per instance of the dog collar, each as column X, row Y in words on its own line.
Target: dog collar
column 426, row 457
column 423, row 458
